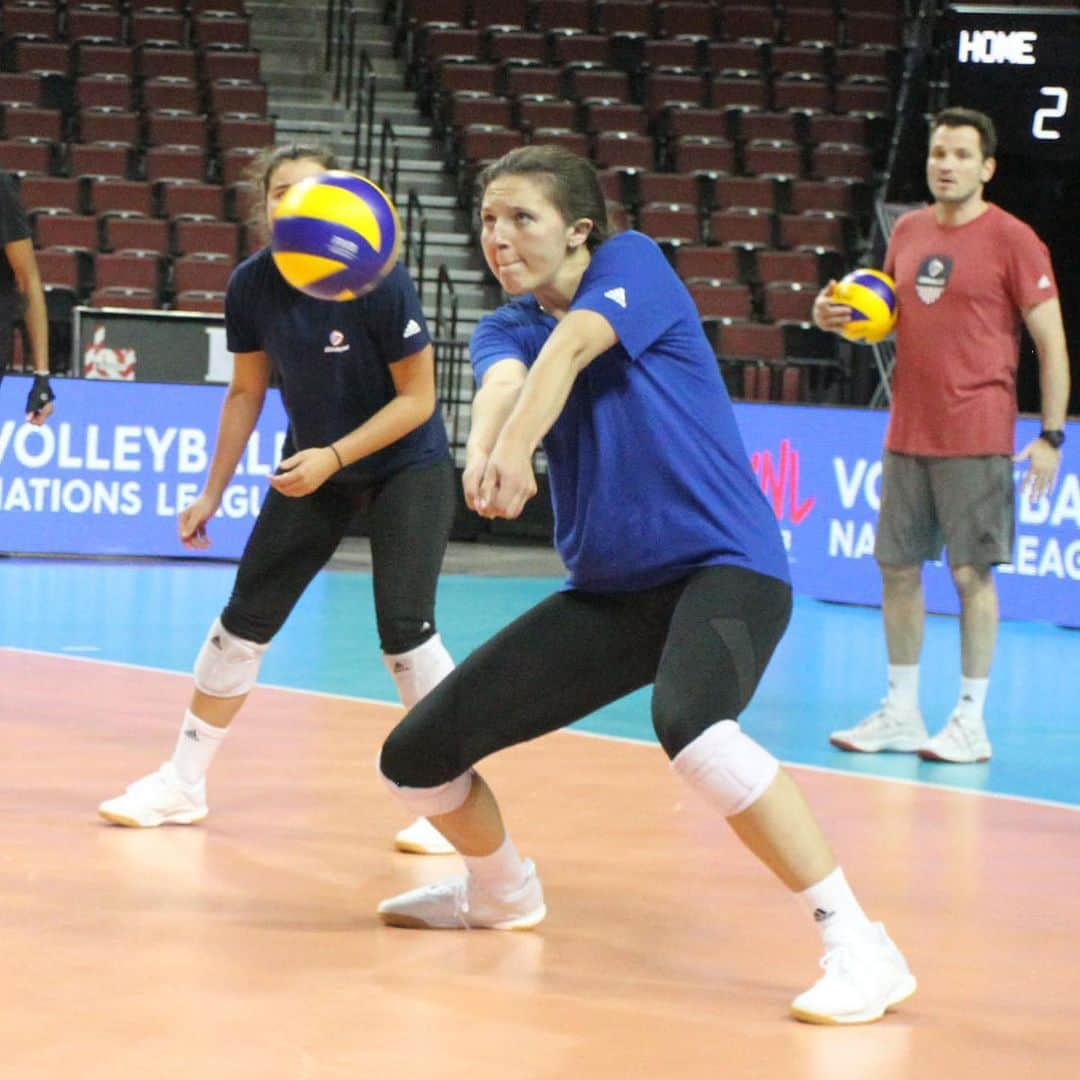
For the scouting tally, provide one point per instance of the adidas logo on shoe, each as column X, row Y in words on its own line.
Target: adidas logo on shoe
column 191, row 734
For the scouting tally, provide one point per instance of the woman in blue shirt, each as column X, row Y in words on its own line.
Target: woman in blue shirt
column 677, row 572
column 365, row 432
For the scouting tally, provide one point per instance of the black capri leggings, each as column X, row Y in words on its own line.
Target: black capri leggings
column 410, row 518
column 704, row 641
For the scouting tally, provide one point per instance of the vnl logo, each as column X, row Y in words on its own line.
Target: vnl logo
column 996, row 47
column 779, row 479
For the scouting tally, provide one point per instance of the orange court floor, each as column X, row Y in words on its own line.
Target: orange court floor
column 248, row 947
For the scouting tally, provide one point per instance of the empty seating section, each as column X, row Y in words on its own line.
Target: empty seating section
column 744, row 137
column 128, row 125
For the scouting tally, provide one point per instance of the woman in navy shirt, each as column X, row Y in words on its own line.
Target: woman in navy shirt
column 358, row 385
column 677, row 572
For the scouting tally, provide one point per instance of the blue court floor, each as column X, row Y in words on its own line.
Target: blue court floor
column 827, row 673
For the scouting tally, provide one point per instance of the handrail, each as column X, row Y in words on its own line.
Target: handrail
column 388, row 146
column 365, row 112
column 445, row 324
column 352, row 71
column 338, row 14
column 415, row 239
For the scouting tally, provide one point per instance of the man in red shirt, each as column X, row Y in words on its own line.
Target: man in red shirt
column 966, row 273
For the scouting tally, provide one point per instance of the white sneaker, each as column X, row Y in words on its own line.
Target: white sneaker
column 456, row 904
column 158, row 799
column 962, row 741
column 890, row 728
column 422, row 838
column 860, row 982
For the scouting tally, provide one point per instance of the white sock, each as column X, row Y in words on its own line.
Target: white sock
column 419, row 670
column 972, row 696
column 500, row 873
column 904, row 685
column 835, row 911
column 196, row 746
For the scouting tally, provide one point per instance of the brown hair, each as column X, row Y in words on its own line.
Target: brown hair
column 264, row 165
column 569, row 180
column 954, row 117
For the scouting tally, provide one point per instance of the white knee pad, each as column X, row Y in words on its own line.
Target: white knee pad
column 227, row 666
column 727, row 767
column 419, row 670
column 428, row 801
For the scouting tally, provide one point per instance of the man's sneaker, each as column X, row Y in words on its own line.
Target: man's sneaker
column 890, row 728
column 962, row 741
column 422, row 838
column 860, row 982
column 158, row 799
column 457, row 904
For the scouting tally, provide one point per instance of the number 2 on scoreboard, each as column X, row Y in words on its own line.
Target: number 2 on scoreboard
column 1051, row 112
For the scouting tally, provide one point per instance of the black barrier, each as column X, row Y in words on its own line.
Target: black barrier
column 150, row 346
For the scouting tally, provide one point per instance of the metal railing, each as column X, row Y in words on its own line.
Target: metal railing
column 352, row 74
column 365, row 114
column 389, row 162
column 446, row 305
column 415, row 245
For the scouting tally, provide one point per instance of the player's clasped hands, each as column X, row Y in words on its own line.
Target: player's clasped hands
column 305, row 471
column 505, row 485
column 828, row 315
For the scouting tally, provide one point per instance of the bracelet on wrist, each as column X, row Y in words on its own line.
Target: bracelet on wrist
column 341, row 464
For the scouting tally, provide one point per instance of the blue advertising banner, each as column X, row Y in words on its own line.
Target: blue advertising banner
column 111, row 469
column 109, row 472
column 821, row 470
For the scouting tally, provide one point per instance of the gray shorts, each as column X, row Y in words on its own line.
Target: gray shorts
column 965, row 503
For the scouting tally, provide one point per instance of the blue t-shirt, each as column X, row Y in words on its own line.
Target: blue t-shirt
column 333, row 359
column 649, row 475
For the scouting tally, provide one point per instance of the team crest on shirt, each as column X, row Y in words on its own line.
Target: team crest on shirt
column 337, row 343
column 932, row 278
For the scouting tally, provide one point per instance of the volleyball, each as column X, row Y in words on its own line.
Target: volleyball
column 335, row 236
column 871, row 296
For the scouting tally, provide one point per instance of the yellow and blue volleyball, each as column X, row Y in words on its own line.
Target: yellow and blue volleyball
column 871, row 296
column 335, row 236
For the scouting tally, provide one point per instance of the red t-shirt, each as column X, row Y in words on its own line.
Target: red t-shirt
column 960, row 293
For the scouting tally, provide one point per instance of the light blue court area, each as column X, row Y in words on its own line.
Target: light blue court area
column 827, row 673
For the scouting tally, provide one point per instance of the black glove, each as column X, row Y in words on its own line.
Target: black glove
column 40, row 395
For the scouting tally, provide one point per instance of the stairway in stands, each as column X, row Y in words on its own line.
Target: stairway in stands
column 291, row 38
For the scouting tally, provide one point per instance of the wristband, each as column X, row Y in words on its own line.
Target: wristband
column 40, row 394
column 1055, row 437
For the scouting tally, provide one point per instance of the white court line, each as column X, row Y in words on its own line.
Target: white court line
column 583, row 734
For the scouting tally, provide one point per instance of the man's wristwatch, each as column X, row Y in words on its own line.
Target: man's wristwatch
column 1055, row 437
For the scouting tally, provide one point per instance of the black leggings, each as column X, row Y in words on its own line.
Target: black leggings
column 410, row 518
column 704, row 641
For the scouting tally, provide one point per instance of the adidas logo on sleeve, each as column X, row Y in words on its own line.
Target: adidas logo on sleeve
column 617, row 296
column 412, row 328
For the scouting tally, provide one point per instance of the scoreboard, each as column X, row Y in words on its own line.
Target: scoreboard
column 1020, row 65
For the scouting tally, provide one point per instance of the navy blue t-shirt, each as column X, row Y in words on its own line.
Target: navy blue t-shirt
column 333, row 359
column 649, row 475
